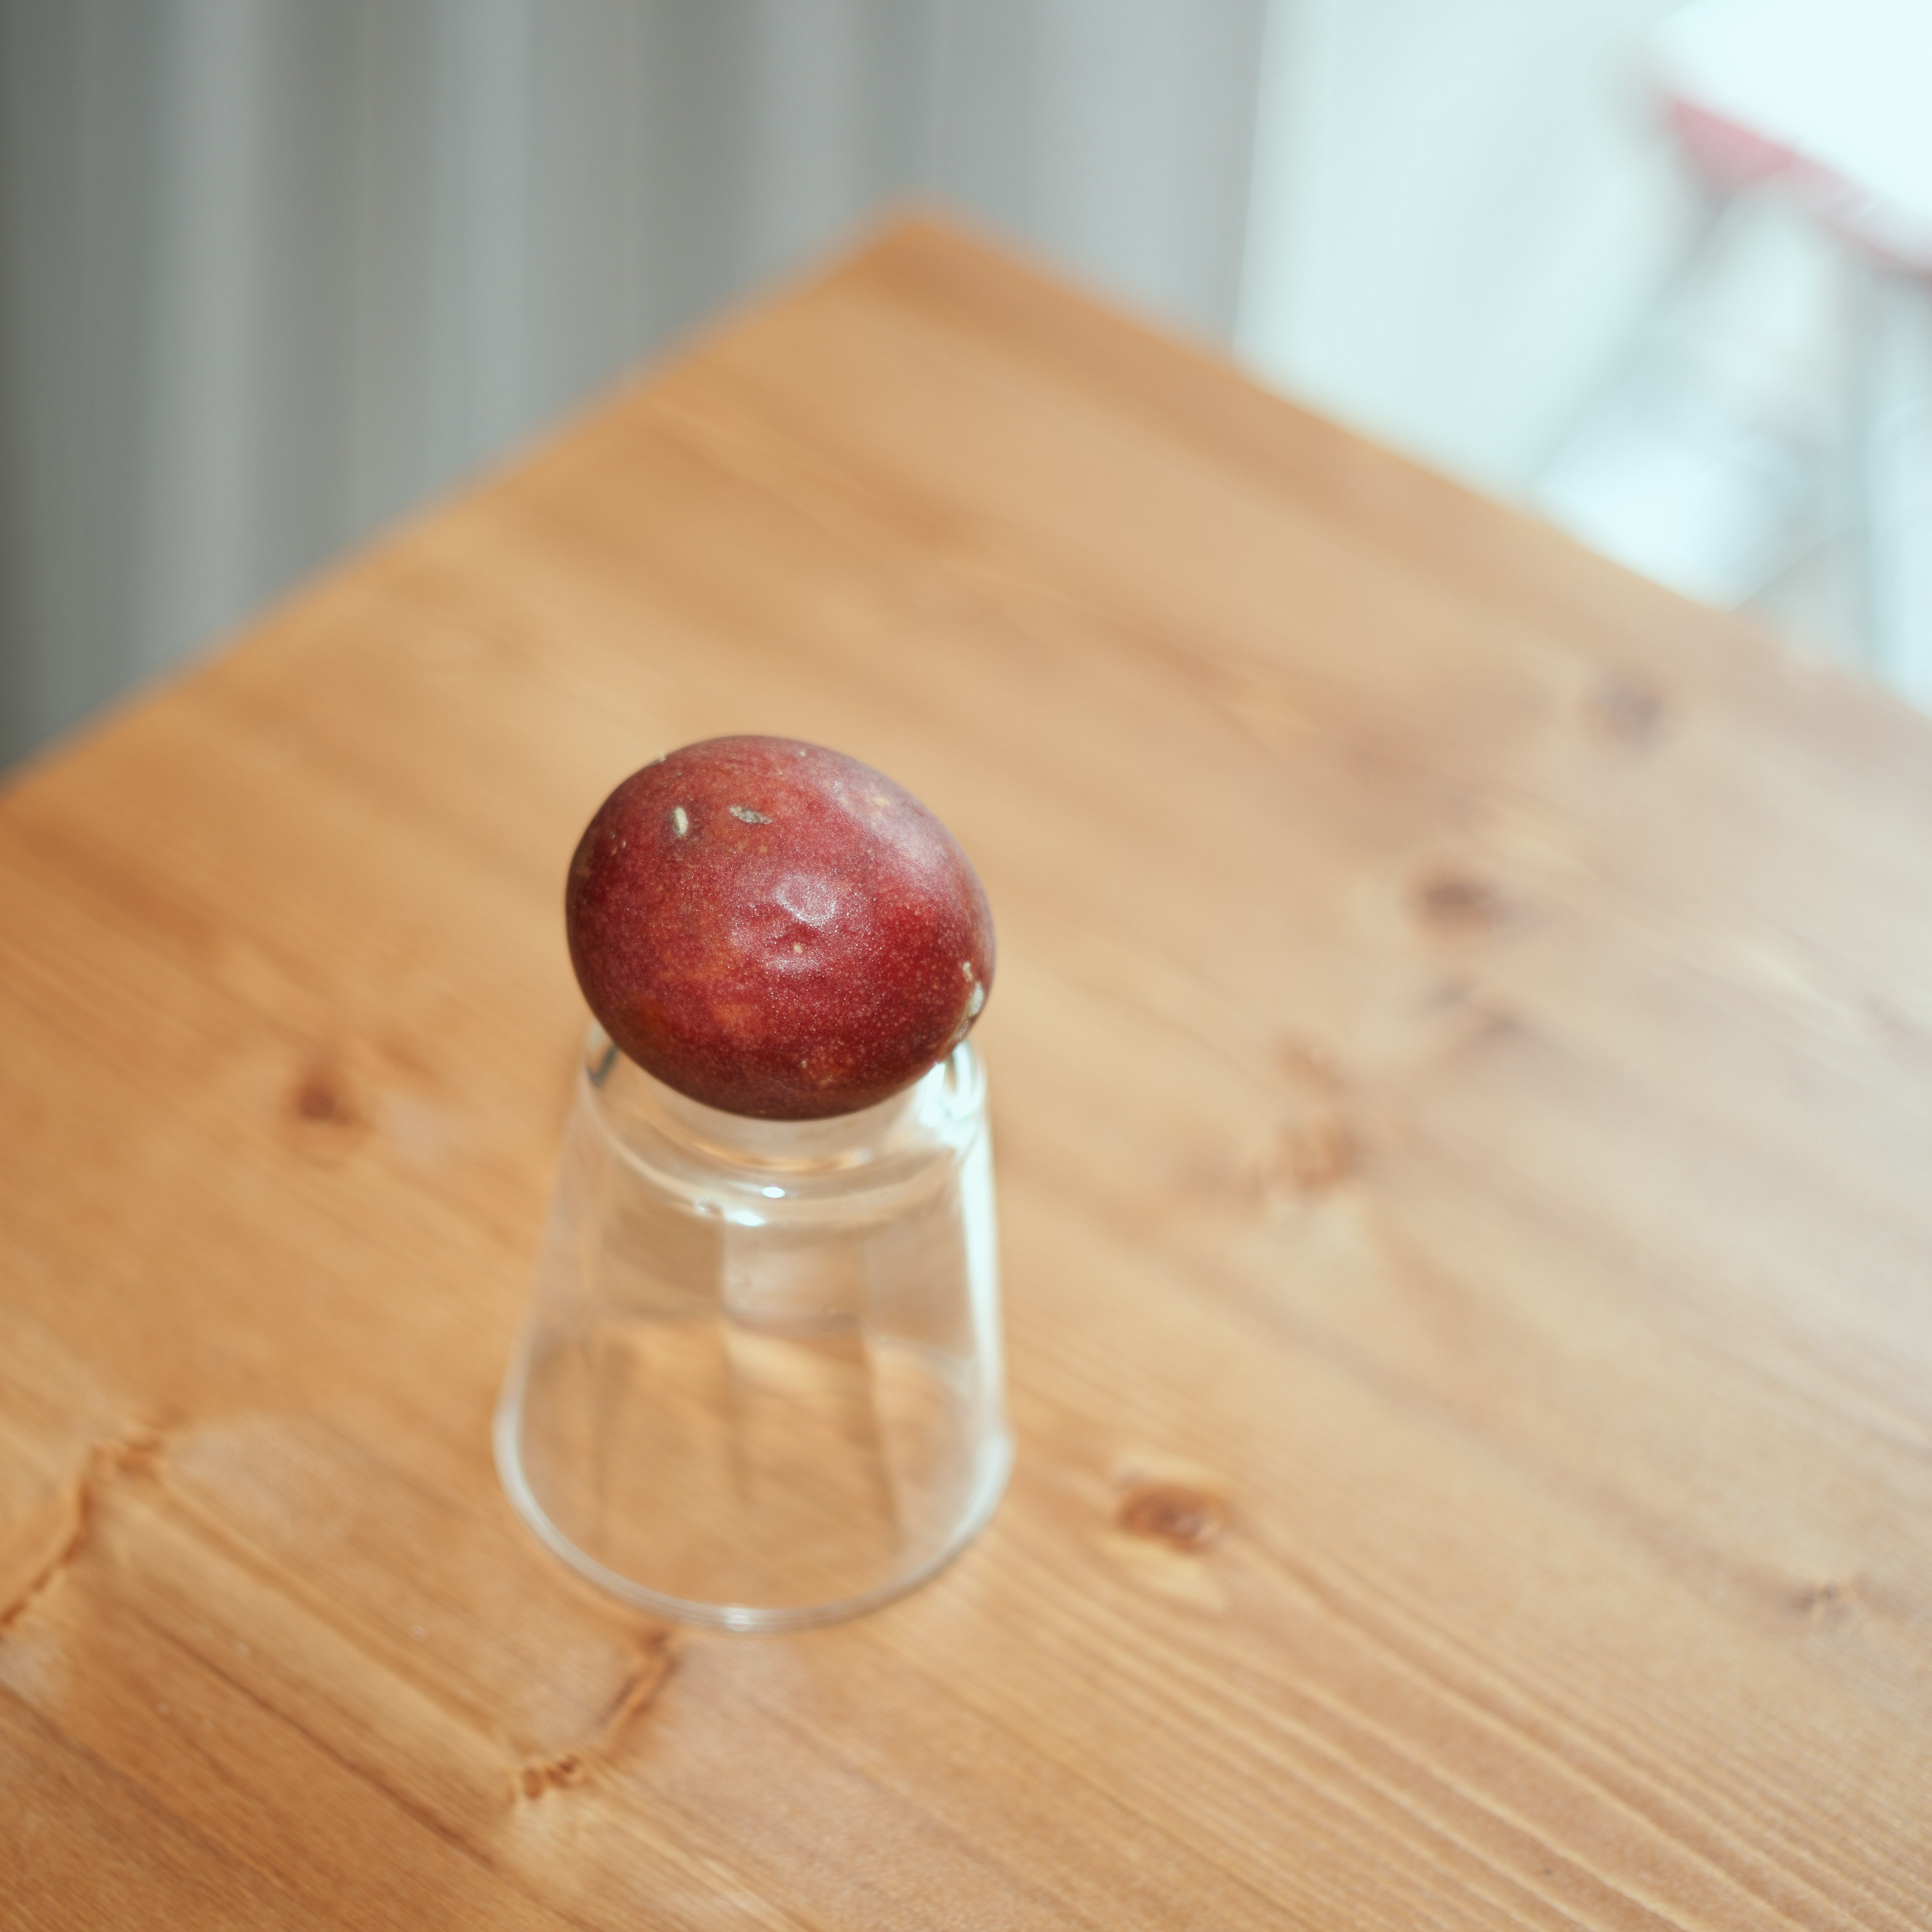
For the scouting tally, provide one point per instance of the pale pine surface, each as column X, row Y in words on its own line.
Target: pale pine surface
column 1462, row 1073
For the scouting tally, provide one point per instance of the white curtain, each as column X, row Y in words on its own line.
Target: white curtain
column 271, row 270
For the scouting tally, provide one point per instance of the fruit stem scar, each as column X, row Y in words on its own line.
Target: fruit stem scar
column 750, row 817
column 680, row 820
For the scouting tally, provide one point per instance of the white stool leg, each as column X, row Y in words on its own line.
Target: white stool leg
column 1891, row 378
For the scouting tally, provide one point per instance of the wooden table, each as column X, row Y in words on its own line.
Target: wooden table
column 1463, row 1076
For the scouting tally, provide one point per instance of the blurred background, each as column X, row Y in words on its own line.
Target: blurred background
column 272, row 272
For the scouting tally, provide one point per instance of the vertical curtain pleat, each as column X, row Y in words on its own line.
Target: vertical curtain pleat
column 271, row 270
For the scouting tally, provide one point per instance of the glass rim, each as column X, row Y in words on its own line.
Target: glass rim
column 748, row 1619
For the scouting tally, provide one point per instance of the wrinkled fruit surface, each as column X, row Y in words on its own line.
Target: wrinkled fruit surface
column 776, row 929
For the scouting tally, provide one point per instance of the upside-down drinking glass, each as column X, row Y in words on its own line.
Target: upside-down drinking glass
column 760, row 1385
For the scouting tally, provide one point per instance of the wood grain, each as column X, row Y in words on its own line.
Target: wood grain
column 1462, row 1065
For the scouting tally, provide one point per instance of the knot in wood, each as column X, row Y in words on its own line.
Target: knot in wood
column 1169, row 1513
column 1320, row 1155
column 325, row 1121
column 1456, row 901
column 1626, row 710
column 553, row 1775
column 319, row 1098
column 1829, row 1599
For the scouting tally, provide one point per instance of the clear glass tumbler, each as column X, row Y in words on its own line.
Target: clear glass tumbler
column 760, row 1386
